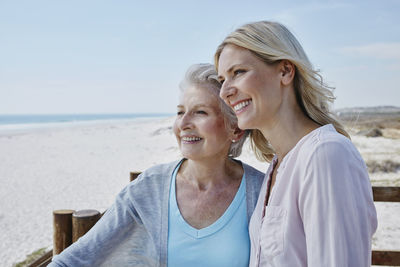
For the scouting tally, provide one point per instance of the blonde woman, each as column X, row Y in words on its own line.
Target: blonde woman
column 315, row 206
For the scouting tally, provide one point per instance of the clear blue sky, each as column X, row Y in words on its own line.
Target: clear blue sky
column 94, row 56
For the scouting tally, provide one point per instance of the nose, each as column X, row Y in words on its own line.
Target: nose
column 227, row 91
column 185, row 122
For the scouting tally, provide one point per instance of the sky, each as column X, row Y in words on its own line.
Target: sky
column 96, row 56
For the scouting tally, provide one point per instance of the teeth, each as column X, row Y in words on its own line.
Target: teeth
column 241, row 105
column 189, row 139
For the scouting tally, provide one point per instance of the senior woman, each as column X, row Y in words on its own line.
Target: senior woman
column 193, row 212
column 315, row 206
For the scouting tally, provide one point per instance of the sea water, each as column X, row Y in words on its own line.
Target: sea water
column 23, row 122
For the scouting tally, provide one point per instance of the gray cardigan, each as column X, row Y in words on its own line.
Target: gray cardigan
column 134, row 230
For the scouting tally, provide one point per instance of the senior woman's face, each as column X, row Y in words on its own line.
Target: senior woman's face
column 199, row 126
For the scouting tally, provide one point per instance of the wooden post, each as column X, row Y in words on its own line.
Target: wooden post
column 82, row 221
column 134, row 175
column 62, row 230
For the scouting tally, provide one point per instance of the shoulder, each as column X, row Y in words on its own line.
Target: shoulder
column 253, row 176
column 157, row 171
column 149, row 188
column 152, row 179
column 328, row 145
column 251, row 171
column 330, row 154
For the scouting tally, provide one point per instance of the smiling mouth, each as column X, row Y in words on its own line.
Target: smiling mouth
column 191, row 140
column 240, row 106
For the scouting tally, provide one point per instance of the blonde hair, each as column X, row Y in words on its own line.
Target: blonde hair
column 273, row 42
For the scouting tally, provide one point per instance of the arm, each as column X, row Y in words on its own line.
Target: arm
column 336, row 207
column 104, row 241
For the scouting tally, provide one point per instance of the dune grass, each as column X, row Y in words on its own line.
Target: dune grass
column 31, row 257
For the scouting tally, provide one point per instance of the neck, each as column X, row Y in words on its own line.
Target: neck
column 204, row 174
column 286, row 129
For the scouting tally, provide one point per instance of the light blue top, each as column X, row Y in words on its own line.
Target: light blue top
column 134, row 230
column 223, row 243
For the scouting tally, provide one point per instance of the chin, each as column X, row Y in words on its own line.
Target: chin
column 244, row 124
column 247, row 123
column 190, row 158
column 188, row 155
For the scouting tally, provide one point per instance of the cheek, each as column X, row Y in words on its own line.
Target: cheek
column 249, row 84
column 175, row 129
column 258, row 84
column 219, row 129
column 261, row 89
column 221, row 124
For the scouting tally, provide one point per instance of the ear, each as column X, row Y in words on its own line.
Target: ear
column 237, row 134
column 287, row 70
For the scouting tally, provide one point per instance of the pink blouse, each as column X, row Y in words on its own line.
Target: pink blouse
column 320, row 211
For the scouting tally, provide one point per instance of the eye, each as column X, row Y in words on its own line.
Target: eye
column 179, row 113
column 202, row 112
column 238, row 71
column 220, row 79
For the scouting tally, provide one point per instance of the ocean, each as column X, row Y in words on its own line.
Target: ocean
column 12, row 123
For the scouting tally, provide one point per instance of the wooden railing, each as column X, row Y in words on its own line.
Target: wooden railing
column 69, row 225
column 380, row 257
column 386, row 193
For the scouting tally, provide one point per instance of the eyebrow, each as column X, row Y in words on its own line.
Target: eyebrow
column 195, row 106
column 230, row 69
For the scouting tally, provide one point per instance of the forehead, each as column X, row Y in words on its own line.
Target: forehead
column 232, row 55
column 197, row 95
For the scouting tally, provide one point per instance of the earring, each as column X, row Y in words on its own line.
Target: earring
column 233, row 141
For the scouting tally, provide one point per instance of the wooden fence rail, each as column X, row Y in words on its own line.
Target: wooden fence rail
column 69, row 225
column 386, row 193
column 389, row 258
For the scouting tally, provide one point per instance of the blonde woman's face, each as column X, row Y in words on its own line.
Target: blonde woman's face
column 250, row 87
column 200, row 127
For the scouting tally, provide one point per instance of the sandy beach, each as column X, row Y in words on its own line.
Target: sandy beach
column 84, row 167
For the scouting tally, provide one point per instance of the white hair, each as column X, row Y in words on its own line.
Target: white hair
column 205, row 76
